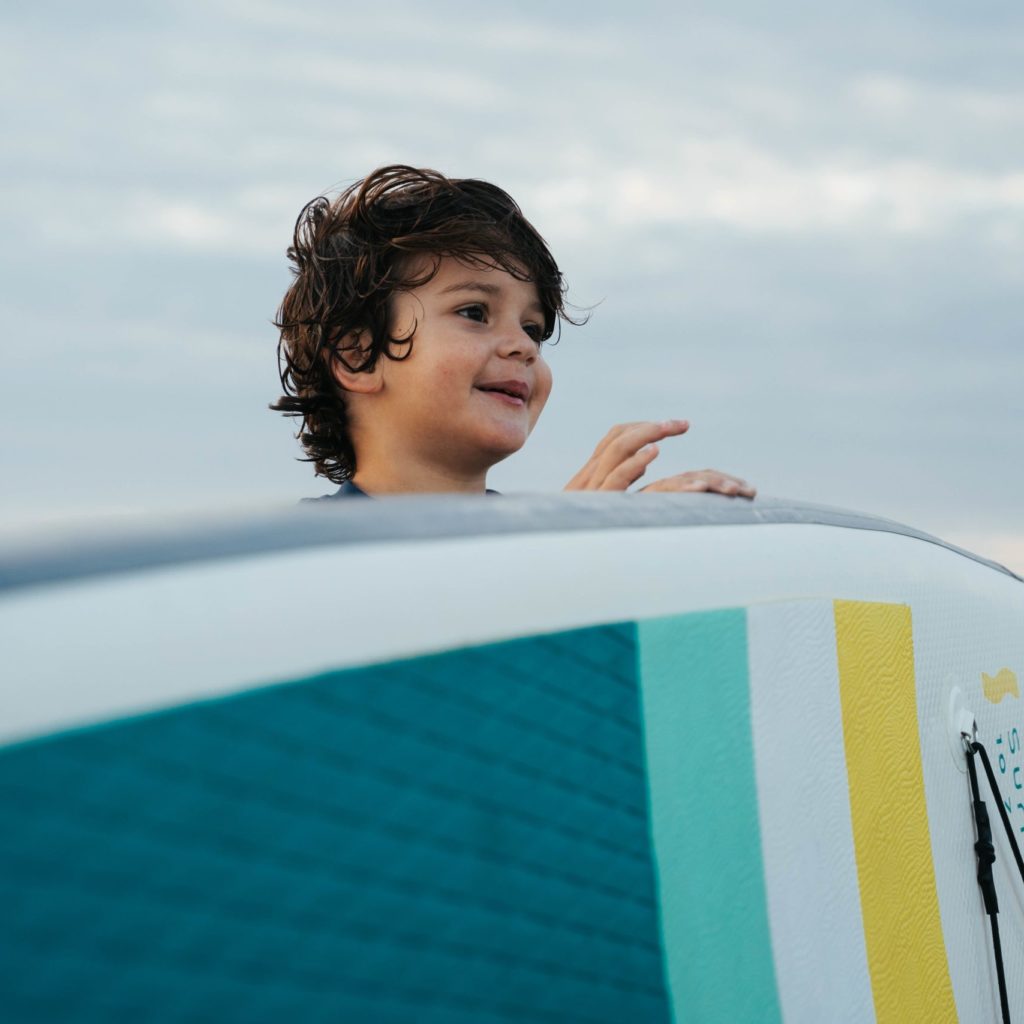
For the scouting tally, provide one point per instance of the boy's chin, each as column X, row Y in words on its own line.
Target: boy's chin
column 493, row 453
column 500, row 439
column 503, row 446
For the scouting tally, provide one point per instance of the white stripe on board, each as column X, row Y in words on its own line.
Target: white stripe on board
column 106, row 647
column 806, row 833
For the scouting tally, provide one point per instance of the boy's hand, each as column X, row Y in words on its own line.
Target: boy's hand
column 704, row 480
column 628, row 449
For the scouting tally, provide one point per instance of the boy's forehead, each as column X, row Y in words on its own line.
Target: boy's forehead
column 454, row 272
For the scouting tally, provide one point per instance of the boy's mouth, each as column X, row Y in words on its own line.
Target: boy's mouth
column 513, row 392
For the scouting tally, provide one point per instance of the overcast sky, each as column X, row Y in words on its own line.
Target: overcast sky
column 800, row 226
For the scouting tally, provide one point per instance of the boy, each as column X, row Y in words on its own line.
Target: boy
column 411, row 342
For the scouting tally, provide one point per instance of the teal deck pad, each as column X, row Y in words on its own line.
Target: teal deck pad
column 696, row 705
column 456, row 838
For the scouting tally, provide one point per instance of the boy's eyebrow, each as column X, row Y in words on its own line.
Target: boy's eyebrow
column 483, row 286
column 472, row 286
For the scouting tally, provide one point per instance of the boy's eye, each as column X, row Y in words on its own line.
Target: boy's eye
column 478, row 314
column 475, row 312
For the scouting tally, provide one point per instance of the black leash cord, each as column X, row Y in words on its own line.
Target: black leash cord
column 986, row 851
column 978, row 748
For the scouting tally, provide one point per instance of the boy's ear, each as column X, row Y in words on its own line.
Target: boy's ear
column 352, row 348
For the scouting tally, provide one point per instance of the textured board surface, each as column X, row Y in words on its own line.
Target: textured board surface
column 464, row 837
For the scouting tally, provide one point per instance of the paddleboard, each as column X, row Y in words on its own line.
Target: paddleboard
column 585, row 758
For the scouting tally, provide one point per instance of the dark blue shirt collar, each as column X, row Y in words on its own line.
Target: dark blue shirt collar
column 351, row 490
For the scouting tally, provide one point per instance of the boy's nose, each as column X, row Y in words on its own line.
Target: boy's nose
column 515, row 343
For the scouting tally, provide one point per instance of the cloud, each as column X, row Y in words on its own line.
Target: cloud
column 441, row 26
column 728, row 183
column 902, row 98
column 621, row 132
column 180, row 222
column 736, row 184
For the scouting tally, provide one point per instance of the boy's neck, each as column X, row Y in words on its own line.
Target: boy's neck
column 418, row 480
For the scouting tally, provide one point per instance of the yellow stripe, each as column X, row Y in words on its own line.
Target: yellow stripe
column 900, row 906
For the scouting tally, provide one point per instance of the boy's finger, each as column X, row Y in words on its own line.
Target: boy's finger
column 697, row 484
column 744, row 490
column 621, row 444
column 678, row 484
column 708, row 480
column 612, row 434
column 630, row 441
column 631, row 470
column 639, row 433
column 723, row 483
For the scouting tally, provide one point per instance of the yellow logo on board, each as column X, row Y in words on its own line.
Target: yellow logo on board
column 998, row 686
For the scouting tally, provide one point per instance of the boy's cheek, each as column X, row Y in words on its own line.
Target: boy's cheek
column 538, row 407
column 542, row 390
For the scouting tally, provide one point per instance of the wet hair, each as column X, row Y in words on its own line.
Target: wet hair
column 351, row 254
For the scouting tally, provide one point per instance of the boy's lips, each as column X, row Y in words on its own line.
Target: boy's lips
column 512, row 391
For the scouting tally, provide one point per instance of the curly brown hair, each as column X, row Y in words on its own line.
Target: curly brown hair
column 349, row 256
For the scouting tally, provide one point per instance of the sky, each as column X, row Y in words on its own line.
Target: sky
column 799, row 226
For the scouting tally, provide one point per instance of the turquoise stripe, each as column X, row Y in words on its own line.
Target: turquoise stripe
column 696, row 706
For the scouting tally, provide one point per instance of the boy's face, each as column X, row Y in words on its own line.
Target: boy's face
column 475, row 383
